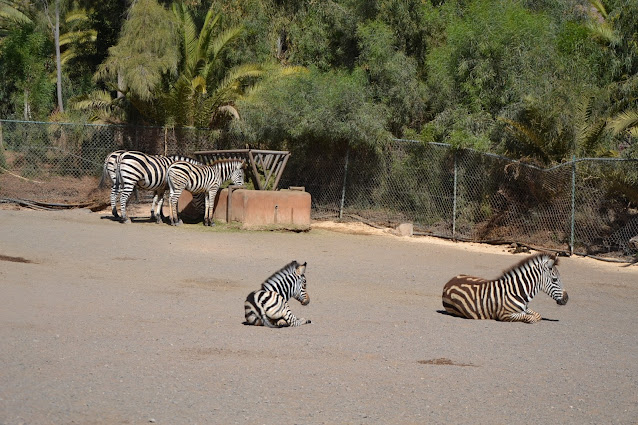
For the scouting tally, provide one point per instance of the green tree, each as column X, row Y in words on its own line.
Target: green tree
column 314, row 111
column 147, row 50
column 393, row 77
column 25, row 63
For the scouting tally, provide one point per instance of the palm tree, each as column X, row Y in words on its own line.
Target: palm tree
column 15, row 13
column 198, row 97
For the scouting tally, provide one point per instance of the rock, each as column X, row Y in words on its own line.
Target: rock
column 405, row 229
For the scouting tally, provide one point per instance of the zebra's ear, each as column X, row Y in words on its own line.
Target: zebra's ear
column 301, row 269
column 553, row 260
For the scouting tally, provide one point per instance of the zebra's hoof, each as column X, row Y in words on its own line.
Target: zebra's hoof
column 125, row 221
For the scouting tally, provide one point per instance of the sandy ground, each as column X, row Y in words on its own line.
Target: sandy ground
column 104, row 323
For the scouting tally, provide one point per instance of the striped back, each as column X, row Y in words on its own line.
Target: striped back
column 146, row 171
column 175, row 158
column 197, row 178
column 289, row 282
column 507, row 297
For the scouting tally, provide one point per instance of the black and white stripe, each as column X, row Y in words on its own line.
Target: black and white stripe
column 137, row 169
column 507, row 297
column 198, row 178
column 110, row 172
column 268, row 306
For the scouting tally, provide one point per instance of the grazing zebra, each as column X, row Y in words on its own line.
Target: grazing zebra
column 198, row 178
column 507, row 297
column 269, row 305
column 137, row 169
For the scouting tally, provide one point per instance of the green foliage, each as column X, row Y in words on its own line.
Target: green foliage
column 313, row 111
column 392, row 77
column 146, row 51
column 495, row 54
column 25, row 63
column 539, row 79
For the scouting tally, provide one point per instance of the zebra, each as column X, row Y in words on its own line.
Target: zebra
column 507, row 297
column 110, row 170
column 269, row 305
column 137, row 169
column 199, row 178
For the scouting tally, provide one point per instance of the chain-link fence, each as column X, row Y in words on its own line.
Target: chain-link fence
column 587, row 206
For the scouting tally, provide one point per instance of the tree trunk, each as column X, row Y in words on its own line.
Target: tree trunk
column 27, row 107
column 58, row 61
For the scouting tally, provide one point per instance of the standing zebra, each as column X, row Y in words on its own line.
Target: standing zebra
column 269, row 305
column 507, row 297
column 198, row 178
column 137, row 169
column 110, row 170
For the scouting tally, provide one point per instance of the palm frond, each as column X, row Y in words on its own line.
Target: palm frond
column 76, row 15
column 604, row 32
column 627, row 120
column 218, row 44
column 529, row 136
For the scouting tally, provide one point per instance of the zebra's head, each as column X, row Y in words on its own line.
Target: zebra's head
column 231, row 169
column 300, row 293
column 550, row 279
column 237, row 176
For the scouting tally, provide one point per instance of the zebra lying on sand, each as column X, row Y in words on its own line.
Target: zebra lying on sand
column 199, row 178
column 268, row 306
column 507, row 297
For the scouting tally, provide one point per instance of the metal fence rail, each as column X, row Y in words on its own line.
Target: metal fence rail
column 585, row 206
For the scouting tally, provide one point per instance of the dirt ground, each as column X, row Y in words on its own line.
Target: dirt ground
column 105, row 323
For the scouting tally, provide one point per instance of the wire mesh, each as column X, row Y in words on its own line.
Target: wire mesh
column 588, row 206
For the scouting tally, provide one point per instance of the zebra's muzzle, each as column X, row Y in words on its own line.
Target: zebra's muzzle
column 563, row 300
column 305, row 301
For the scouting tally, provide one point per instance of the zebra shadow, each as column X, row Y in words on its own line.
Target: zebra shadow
column 461, row 317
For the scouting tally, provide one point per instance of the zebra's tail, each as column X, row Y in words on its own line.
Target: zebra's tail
column 118, row 175
column 105, row 173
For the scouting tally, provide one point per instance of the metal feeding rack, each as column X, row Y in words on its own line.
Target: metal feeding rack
column 266, row 166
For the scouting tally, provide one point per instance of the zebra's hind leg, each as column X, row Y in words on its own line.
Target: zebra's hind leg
column 208, row 211
column 114, row 193
column 125, row 193
column 172, row 204
column 157, row 214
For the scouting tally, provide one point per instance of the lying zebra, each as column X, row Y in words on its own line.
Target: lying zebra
column 507, row 297
column 268, row 306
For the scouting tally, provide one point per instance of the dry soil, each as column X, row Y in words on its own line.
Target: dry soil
column 105, row 323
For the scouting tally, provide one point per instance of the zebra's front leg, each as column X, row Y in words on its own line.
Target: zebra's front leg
column 526, row 316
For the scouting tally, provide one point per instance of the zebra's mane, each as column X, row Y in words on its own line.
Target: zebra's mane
column 227, row 160
column 184, row 158
column 532, row 260
column 285, row 270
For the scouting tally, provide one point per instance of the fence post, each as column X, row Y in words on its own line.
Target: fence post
column 343, row 189
column 571, row 236
column 454, row 199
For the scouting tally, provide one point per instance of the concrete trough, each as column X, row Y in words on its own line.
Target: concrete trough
column 289, row 209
